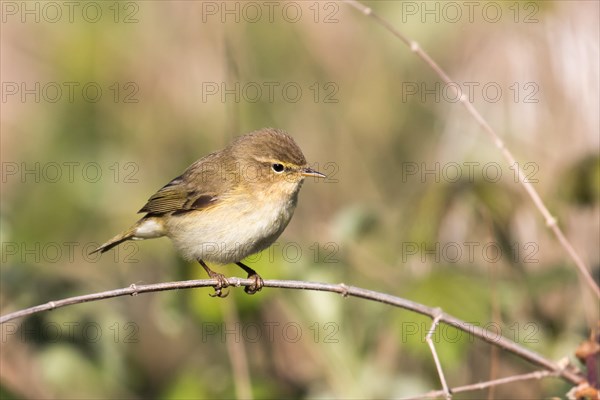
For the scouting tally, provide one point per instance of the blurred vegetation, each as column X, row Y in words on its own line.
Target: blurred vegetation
column 380, row 222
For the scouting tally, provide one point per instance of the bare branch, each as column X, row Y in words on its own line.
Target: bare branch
column 237, row 355
column 484, row 385
column 569, row 374
column 535, row 197
column 436, row 359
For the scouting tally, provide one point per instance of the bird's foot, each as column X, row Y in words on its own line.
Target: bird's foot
column 256, row 286
column 222, row 282
column 258, row 281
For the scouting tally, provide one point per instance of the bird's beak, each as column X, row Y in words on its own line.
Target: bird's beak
column 311, row 172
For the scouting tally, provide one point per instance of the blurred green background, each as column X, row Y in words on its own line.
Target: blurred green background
column 105, row 102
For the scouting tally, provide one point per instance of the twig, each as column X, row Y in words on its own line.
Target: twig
column 237, row 355
column 487, row 384
column 496, row 315
column 537, row 200
column 568, row 374
column 438, row 365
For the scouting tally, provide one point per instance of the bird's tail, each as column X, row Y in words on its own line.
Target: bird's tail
column 145, row 228
column 117, row 240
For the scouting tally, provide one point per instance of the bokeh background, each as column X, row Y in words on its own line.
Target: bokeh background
column 105, row 102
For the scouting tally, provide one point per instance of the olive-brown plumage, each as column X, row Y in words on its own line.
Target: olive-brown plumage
column 229, row 204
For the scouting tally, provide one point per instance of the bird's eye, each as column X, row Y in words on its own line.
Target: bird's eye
column 278, row 168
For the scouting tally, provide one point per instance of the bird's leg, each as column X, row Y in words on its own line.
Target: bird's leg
column 221, row 281
column 258, row 281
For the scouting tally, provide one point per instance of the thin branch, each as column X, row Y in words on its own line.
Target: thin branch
column 491, row 337
column 487, row 384
column 535, row 197
column 496, row 316
column 436, row 359
column 237, row 355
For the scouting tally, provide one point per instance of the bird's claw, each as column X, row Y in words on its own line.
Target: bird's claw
column 256, row 286
column 221, row 284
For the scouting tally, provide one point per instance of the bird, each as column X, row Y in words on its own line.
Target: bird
column 228, row 205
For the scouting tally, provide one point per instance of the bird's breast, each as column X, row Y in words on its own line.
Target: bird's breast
column 231, row 231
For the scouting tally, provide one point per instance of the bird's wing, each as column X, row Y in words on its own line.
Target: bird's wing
column 195, row 189
column 176, row 198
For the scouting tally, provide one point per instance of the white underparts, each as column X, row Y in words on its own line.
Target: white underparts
column 148, row 229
